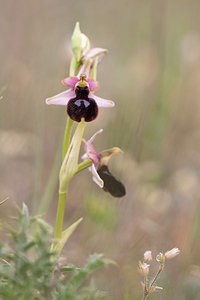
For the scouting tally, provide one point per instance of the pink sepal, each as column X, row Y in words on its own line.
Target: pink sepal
column 62, row 98
column 101, row 102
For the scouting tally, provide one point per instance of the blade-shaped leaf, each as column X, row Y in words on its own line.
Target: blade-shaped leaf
column 65, row 236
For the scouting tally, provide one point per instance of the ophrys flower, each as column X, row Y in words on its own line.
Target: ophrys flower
column 79, row 100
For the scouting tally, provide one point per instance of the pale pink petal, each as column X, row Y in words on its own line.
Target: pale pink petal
column 102, row 102
column 70, row 81
column 94, row 52
column 93, row 85
column 90, row 150
column 96, row 178
column 62, row 98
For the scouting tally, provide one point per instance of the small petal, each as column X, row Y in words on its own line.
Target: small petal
column 62, row 98
column 96, row 178
column 91, row 140
column 70, row 81
column 90, row 150
column 93, row 85
column 102, row 102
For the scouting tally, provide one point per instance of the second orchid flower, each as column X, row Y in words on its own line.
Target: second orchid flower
column 99, row 169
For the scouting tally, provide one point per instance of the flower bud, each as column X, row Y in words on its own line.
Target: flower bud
column 172, row 253
column 143, row 269
column 147, row 256
column 80, row 43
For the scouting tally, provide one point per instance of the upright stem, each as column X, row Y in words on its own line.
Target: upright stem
column 60, row 215
column 67, row 135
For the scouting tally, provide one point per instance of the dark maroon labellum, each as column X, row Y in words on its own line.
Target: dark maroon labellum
column 111, row 184
column 82, row 106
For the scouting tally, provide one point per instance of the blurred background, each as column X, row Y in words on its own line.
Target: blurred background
column 152, row 72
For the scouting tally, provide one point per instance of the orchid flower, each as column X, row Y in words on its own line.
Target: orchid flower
column 99, row 169
column 78, row 99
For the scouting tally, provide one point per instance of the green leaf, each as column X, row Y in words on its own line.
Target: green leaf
column 65, row 236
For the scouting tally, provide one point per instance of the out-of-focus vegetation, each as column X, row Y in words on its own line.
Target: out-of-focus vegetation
column 152, row 72
column 31, row 270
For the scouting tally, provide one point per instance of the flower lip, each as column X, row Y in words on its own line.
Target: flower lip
column 82, row 106
column 86, row 108
column 111, row 184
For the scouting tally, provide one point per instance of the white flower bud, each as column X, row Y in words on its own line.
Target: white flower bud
column 172, row 253
column 147, row 256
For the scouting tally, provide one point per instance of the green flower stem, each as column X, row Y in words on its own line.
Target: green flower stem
column 60, row 215
column 67, row 135
column 68, row 170
column 84, row 165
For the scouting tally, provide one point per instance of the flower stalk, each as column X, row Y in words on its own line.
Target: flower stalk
column 68, row 170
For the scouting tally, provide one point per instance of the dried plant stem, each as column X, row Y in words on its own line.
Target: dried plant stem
column 149, row 289
column 157, row 274
column 145, row 288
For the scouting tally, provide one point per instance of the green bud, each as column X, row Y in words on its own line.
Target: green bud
column 80, row 43
column 76, row 42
